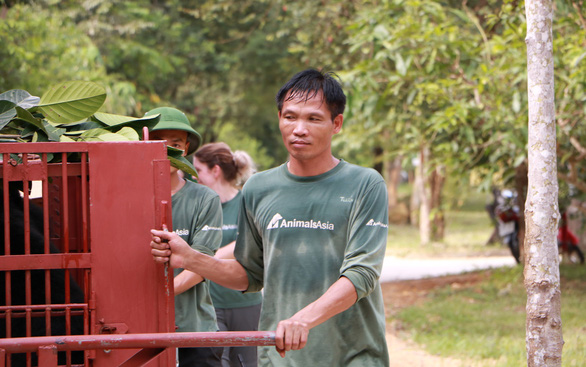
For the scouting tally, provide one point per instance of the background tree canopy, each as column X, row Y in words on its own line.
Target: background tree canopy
column 444, row 76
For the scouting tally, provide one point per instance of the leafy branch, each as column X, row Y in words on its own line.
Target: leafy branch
column 68, row 112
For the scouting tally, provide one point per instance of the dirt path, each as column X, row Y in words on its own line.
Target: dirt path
column 398, row 295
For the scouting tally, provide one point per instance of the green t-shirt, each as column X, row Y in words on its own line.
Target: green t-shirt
column 221, row 296
column 299, row 235
column 197, row 218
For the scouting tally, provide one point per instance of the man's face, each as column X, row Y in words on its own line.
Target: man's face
column 174, row 138
column 307, row 128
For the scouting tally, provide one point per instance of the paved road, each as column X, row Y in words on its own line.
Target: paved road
column 395, row 268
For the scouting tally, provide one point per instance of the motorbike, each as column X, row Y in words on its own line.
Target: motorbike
column 568, row 243
column 507, row 216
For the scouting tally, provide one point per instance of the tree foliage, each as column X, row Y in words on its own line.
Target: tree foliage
column 447, row 75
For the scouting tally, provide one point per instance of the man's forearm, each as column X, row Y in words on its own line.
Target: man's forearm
column 228, row 273
column 185, row 280
column 168, row 247
column 338, row 298
column 226, row 252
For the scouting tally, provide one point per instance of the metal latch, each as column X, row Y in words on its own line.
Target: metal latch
column 113, row 328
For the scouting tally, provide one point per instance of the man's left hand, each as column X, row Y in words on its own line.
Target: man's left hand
column 291, row 334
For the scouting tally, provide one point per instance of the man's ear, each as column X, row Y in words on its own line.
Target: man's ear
column 186, row 149
column 338, row 122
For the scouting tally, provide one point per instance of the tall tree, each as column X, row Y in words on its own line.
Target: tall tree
column 542, row 278
column 417, row 84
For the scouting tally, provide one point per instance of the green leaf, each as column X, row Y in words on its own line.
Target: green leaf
column 112, row 137
column 7, row 112
column 178, row 161
column 118, row 121
column 26, row 116
column 72, row 101
column 129, row 133
column 578, row 59
column 111, row 119
column 82, row 126
column 516, row 102
column 20, row 97
column 381, row 32
column 93, row 134
column 400, row 64
column 74, row 133
column 64, row 138
column 53, row 133
column 518, row 160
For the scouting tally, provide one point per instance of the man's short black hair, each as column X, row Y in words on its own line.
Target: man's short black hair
column 308, row 83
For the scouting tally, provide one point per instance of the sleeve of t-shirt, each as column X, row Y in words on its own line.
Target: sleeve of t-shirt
column 249, row 250
column 207, row 227
column 367, row 241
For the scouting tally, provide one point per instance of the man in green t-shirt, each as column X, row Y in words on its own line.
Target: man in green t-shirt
column 312, row 232
column 197, row 220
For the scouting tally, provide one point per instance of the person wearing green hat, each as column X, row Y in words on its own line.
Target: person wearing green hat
column 197, row 219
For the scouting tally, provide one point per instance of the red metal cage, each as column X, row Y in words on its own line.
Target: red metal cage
column 76, row 260
column 78, row 286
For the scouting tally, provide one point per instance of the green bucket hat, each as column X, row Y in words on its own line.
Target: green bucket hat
column 173, row 119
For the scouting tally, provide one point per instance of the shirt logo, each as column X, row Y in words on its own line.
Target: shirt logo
column 274, row 223
column 210, row 228
column 279, row 222
column 182, row 232
column 346, row 200
column 372, row 223
column 228, row 227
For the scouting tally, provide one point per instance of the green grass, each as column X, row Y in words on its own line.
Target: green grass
column 486, row 323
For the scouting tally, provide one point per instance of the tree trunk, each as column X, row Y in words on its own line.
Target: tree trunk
column 424, row 211
column 542, row 278
column 521, row 183
column 398, row 212
column 393, row 176
column 436, row 183
column 414, row 199
column 378, row 152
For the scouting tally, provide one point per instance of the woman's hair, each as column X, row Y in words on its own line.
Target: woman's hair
column 237, row 167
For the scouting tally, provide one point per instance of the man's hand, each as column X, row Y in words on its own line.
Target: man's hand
column 291, row 334
column 169, row 247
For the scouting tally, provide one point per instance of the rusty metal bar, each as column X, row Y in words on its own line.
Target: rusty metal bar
column 27, row 219
column 46, row 238
column 80, row 307
column 45, row 185
column 56, row 147
column 84, row 197
column 134, row 341
column 6, row 224
column 35, row 170
column 27, row 244
column 85, row 241
column 41, row 262
column 65, row 208
column 45, row 147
